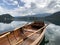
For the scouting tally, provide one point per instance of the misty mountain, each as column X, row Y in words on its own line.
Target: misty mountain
column 38, row 15
column 54, row 18
column 3, row 16
column 32, row 17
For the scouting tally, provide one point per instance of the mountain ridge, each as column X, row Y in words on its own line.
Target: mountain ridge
column 54, row 18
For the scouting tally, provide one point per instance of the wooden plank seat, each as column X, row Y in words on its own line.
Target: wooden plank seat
column 17, row 34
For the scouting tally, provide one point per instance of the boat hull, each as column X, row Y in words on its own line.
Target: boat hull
column 29, row 36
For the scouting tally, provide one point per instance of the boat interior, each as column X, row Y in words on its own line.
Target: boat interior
column 25, row 35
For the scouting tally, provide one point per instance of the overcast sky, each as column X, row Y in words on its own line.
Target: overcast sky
column 28, row 7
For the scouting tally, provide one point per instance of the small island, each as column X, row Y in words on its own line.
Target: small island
column 6, row 18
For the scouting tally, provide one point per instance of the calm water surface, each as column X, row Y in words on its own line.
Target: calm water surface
column 52, row 31
column 4, row 27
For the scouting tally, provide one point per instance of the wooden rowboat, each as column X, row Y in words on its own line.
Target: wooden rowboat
column 31, row 34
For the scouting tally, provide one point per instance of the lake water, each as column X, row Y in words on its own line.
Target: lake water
column 52, row 31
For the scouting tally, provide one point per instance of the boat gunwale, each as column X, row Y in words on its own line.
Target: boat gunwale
column 7, row 33
column 39, row 38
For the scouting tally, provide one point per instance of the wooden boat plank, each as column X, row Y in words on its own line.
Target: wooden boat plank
column 11, row 38
column 4, row 41
column 27, row 34
column 30, row 39
column 17, row 35
column 34, row 34
column 36, row 31
column 39, row 38
column 4, row 34
column 30, row 30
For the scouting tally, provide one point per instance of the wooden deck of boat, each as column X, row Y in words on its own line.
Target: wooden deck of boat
column 16, row 36
column 22, row 37
column 30, row 40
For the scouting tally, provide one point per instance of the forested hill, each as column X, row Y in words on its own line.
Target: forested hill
column 54, row 18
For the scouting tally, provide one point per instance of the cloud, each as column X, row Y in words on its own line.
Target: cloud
column 52, row 31
column 30, row 7
column 53, row 34
column 10, row 2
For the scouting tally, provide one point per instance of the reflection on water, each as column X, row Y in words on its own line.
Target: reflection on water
column 9, row 21
column 45, row 41
column 52, row 35
column 4, row 27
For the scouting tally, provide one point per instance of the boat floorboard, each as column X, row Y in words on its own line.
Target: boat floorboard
column 30, row 39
